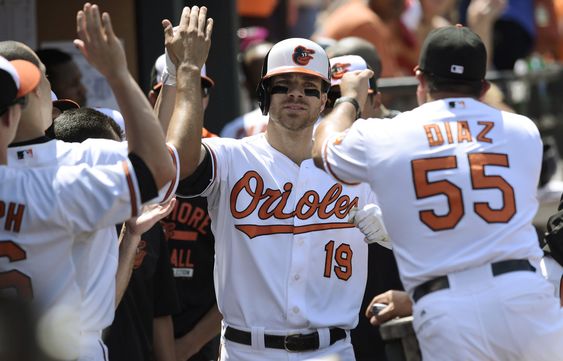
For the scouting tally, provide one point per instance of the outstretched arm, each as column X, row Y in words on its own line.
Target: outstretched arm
column 188, row 47
column 103, row 50
column 355, row 85
column 129, row 241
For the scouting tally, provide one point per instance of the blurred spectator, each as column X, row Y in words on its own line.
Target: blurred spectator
column 547, row 41
column 252, row 122
column 433, row 14
column 379, row 22
column 269, row 14
column 302, row 17
column 64, row 75
column 506, row 27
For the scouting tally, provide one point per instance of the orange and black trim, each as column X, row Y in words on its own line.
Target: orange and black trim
column 131, row 186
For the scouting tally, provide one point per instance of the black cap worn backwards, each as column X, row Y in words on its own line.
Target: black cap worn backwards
column 454, row 53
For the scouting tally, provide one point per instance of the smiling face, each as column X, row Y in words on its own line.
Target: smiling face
column 296, row 100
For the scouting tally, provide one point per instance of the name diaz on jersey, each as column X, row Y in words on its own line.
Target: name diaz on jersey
column 333, row 203
column 436, row 136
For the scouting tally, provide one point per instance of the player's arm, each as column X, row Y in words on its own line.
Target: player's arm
column 207, row 328
column 163, row 339
column 188, row 48
column 104, row 51
column 129, row 239
column 354, row 85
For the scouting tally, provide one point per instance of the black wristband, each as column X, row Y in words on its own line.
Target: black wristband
column 352, row 101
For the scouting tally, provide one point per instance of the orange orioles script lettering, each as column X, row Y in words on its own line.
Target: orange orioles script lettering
column 456, row 132
column 12, row 214
column 270, row 203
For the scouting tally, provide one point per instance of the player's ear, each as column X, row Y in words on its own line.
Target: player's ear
column 376, row 100
column 484, row 88
column 324, row 97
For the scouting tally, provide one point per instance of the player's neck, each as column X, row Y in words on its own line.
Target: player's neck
column 444, row 95
column 296, row 145
column 27, row 131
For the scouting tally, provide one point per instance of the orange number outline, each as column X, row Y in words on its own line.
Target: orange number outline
column 14, row 278
column 342, row 257
column 479, row 180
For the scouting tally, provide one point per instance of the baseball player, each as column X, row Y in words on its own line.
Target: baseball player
column 459, row 207
column 191, row 244
column 43, row 209
column 96, row 274
column 290, row 270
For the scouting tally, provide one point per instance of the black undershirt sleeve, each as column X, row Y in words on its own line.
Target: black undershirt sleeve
column 196, row 183
column 145, row 179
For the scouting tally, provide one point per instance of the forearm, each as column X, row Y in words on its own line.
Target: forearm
column 165, row 105
column 339, row 119
column 186, row 123
column 207, row 328
column 144, row 134
column 163, row 339
column 127, row 252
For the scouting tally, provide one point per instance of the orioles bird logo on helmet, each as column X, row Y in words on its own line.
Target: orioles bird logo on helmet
column 302, row 55
column 339, row 69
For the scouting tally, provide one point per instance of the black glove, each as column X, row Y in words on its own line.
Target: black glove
column 554, row 235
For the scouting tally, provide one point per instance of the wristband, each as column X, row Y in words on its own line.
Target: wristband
column 352, row 101
column 168, row 79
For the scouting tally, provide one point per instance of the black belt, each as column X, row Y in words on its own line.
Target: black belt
column 294, row 343
column 498, row 268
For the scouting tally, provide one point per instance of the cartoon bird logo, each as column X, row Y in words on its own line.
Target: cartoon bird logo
column 302, row 55
column 339, row 69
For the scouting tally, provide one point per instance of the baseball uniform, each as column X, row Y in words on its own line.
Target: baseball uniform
column 94, row 253
column 462, row 198
column 42, row 210
column 286, row 257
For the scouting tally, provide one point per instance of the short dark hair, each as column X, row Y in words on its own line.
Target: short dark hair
column 14, row 50
column 52, row 57
column 77, row 125
column 437, row 84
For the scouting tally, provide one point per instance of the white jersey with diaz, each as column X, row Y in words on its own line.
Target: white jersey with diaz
column 42, row 210
column 286, row 257
column 95, row 253
column 456, row 180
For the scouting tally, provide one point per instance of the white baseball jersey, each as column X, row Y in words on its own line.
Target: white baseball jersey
column 41, row 211
column 286, row 257
column 456, row 181
column 95, row 253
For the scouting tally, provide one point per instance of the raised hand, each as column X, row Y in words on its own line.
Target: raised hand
column 355, row 84
column 98, row 42
column 189, row 42
column 151, row 214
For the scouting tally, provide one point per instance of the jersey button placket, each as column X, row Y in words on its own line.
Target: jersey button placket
column 299, row 258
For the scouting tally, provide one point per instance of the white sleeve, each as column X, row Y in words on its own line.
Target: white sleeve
column 344, row 155
column 96, row 197
column 103, row 151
